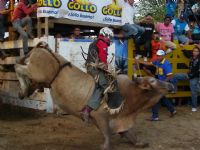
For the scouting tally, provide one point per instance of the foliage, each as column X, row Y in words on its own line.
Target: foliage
column 155, row 7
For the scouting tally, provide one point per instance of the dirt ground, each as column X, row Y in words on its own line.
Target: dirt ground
column 29, row 130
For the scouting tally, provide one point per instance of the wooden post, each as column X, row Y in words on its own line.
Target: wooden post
column 46, row 26
column 39, row 29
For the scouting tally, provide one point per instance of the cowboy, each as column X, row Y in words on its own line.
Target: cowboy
column 97, row 53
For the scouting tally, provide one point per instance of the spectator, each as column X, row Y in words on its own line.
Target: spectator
column 170, row 7
column 196, row 8
column 3, row 13
column 180, row 7
column 166, row 31
column 20, row 19
column 58, row 35
column 146, row 37
column 156, row 44
column 121, row 53
column 164, row 73
column 195, row 31
column 181, row 29
column 128, row 14
column 76, row 34
column 193, row 75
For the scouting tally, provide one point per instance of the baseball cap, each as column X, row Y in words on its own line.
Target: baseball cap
column 160, row 53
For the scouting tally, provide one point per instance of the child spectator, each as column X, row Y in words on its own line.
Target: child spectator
column 166, row 31
column 156, row 44
column 181, row 29
column 145, row 38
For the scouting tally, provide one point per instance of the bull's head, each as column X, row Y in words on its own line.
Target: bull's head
column 150, row 83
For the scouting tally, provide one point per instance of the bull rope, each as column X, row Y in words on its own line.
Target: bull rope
column 45, row 46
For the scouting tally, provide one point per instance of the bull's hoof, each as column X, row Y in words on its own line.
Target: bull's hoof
column 141, row 145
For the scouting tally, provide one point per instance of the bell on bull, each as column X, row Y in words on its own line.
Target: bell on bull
column 71, row 88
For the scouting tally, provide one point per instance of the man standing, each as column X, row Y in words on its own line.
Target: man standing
column 128, row 14
column 163, row 73
column 97, row 53
column 20, row 19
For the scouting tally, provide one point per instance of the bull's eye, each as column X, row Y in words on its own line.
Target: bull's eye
column 152, row 81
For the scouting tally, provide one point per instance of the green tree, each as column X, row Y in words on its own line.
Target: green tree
column 155, row 7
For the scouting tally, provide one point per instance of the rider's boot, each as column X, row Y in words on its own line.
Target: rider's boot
column 86, row 113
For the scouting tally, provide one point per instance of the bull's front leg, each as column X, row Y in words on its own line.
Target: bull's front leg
column 22, row 73
column 131, row 136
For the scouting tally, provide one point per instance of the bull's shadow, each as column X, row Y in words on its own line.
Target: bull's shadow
column 13, row 113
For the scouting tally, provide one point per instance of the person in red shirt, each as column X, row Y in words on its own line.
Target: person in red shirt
column 21, row 18
column 156, row 44
column 97, row 53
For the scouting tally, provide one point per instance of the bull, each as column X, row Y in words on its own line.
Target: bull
column 71, row 88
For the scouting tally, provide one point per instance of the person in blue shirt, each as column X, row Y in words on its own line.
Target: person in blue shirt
column 121, row 53
column 163, row 73
column 181, row 29
column 170, row 7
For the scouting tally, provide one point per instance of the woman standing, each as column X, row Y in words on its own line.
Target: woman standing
column 194, row 74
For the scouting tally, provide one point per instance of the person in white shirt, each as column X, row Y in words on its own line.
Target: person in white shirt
column 181, row 30
column 128, row 14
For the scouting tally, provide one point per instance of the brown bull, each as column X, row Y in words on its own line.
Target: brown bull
column 71, row 88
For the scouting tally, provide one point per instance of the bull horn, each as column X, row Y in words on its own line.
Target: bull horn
column 42, row 44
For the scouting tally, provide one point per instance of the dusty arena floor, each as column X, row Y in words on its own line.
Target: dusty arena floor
column 29, row 130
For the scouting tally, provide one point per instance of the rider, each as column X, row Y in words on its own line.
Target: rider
column 97, row 54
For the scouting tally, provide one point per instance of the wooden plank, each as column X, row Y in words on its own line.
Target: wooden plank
column 9, row 60
column 46, row 27
column 11, row 88
column 15, row 44
column 27, row 103
column 180, row 94
column 39, row 28
column 10, row 76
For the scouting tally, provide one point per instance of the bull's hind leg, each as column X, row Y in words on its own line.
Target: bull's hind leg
column 130, row 135
column 102, row 123
column 22, row 73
